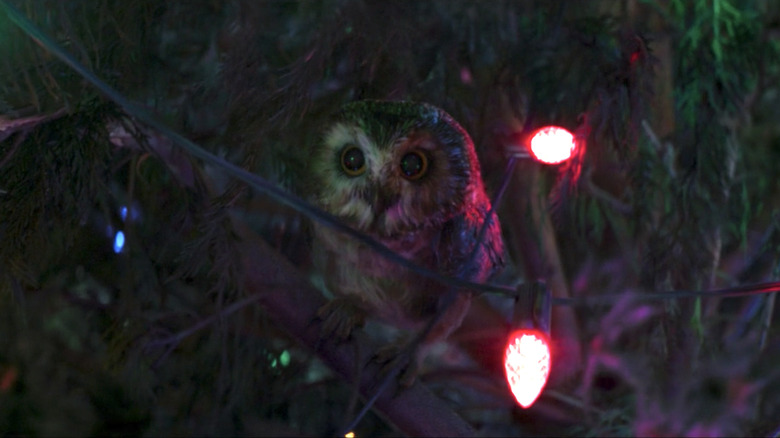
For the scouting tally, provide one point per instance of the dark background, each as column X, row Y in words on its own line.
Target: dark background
column 189, row 329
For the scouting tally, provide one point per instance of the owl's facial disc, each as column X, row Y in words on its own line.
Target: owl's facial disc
column 389, row 181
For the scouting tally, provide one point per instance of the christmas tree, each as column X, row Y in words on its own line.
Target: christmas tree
column 155, row 254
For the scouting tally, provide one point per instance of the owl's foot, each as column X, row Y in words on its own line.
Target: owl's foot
column 340, row 316
column 403, row 356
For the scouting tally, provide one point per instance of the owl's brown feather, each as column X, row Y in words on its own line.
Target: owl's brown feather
column 432, row 219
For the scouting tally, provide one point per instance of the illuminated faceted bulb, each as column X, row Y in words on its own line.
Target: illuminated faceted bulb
column 552, row 144
column 119, row 241
column 527, row 359
column 527, row 364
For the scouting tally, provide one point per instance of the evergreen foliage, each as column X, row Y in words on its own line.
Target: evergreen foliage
column 677, row 188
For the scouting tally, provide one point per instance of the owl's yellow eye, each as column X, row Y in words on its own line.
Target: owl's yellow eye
column 353, row 162
column 414, row 165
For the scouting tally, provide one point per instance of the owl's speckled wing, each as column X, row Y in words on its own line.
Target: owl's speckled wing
column 458, row 238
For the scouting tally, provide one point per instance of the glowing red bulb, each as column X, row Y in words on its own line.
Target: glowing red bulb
column 527, row 365
column 552, row 144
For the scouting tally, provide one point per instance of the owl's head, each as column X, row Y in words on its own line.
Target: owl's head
column 390, row 168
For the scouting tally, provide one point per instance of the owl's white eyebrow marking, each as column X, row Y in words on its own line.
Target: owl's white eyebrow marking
column 378, row 160
column 341, row 134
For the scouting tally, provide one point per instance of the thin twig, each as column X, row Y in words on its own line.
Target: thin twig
column 651, row 135
column 572, row 401
column 605, row 196
column 767, row 322
column 353, row 399
column 184, row 334
column 9, row 127
column 19, row 140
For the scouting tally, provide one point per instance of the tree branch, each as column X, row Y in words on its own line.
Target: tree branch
column 292, row 303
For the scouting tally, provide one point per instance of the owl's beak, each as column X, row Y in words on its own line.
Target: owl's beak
column 384, row 203
column 386, row 210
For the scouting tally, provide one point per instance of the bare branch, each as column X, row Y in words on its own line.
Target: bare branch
column 292, row 303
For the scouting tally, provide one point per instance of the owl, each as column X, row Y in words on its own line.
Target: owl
column 407, row 175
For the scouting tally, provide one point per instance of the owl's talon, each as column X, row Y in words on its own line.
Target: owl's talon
column 400, row 355
column 410, row 373
column 340, row 316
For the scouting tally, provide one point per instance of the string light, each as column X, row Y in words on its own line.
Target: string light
column 527, row 357
column 552, row 144
column 527, row 364
column 119, row 241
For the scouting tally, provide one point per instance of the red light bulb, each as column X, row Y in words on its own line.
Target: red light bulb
column 552, row 144
column 527, row 365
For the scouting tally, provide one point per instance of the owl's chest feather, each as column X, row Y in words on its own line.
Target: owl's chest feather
column 394, row 293
column 352, row 269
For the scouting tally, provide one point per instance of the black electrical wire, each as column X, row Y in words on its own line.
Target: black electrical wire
column 730, row 292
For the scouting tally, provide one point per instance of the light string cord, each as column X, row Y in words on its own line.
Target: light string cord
column 729, row 292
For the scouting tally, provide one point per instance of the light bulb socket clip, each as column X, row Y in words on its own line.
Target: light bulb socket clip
column 533, row 306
